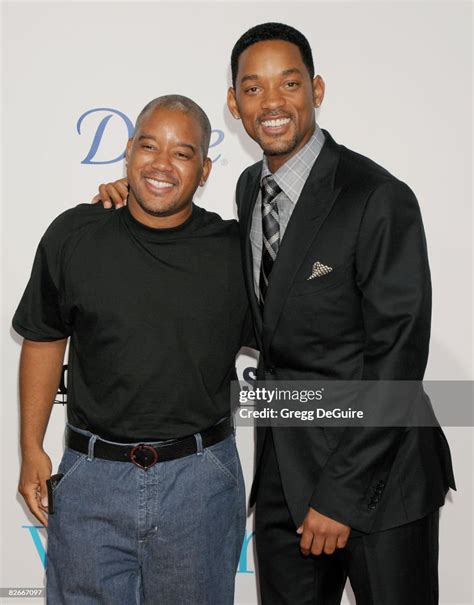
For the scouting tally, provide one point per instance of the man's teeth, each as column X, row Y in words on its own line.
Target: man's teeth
column 276, row 123
column 160, row 184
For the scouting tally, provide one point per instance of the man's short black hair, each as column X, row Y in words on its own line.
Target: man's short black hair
column 271, row 31
column 186, row 105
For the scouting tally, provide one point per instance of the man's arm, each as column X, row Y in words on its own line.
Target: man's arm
column 394, row 279
column 40, row 373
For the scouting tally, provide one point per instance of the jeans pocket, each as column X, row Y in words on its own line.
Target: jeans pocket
column 224, row 456
column 70, row 462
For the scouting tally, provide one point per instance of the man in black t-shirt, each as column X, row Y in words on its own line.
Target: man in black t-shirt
column 149, row 496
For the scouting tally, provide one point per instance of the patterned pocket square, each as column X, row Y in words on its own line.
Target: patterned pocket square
column 319, row 270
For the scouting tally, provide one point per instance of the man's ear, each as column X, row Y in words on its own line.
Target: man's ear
column 232, row 103
column 206, row 171
column 128, row 149
column 318, row 90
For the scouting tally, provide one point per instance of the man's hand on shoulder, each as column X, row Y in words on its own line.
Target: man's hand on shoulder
column 112, row 194
column 36, row 467
column 321, row 534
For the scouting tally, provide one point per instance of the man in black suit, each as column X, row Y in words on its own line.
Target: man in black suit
column 337, row 274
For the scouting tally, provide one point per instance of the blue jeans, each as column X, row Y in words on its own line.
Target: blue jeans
column 170, row 535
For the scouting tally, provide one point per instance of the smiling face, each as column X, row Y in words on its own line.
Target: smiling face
column 275, row 98
column 165, row 166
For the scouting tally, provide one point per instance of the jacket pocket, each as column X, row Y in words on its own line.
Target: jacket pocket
column 310, row 286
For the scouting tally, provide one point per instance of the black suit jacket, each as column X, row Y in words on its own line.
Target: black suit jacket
column 368, row 319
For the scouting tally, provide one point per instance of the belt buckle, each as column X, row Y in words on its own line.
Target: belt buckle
column 144, row 456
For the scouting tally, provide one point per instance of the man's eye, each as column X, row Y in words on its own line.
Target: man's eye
column 252, row 89
column 292, row 84
column 182, row 156
column 147, row 147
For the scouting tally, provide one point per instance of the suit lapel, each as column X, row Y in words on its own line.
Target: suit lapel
column 314, row 204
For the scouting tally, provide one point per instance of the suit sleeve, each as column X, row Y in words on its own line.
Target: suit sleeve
column 393, row 276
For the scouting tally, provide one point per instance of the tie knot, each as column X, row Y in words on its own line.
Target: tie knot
column 269, row 189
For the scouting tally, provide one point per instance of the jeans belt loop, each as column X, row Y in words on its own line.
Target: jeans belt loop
column 200, row 449
column 90, row 450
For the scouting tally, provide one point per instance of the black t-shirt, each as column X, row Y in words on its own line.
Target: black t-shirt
column 156, row 318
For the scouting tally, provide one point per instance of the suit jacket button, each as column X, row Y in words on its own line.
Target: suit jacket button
column 372, row 506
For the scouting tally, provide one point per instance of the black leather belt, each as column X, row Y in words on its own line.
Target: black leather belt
column 146, row 455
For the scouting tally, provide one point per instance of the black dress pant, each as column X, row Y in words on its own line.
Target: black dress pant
column 398, row 566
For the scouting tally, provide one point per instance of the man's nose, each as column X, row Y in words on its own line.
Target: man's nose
column 273, row 99
column 162, row 161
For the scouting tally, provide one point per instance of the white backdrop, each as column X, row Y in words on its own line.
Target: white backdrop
column 398, row 81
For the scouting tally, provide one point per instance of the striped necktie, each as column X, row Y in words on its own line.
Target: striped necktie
column 270, row 231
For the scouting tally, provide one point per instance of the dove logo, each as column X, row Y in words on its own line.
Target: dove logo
column 110, row 117
column 110, row 130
